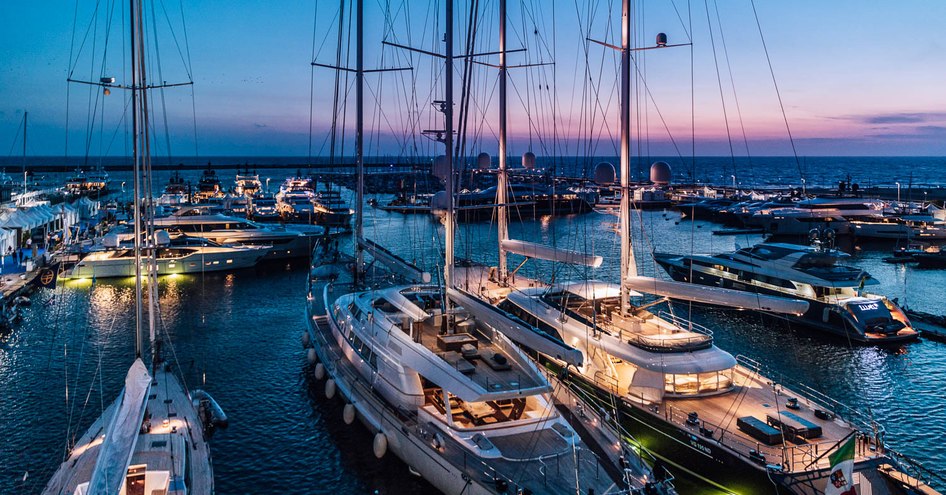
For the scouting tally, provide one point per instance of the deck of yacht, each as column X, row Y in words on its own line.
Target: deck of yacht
column 160, row 444
column 755, row 397
column 468, row 350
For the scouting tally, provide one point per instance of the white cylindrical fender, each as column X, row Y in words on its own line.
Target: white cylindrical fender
column 319, row 372
column 348, row 414
column 311, row 356
column 380, row 445
column 306, row 340
column 330, row 388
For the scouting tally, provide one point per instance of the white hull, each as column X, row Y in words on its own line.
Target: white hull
column 197, row 262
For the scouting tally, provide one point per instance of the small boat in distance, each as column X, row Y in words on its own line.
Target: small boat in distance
column 247, row 183
column 176, row 192
column 208, row 187
column 94, row 184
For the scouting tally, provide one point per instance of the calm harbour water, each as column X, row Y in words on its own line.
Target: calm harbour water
column 237, row 335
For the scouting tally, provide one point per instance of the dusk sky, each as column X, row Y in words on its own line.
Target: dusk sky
column 856, row 78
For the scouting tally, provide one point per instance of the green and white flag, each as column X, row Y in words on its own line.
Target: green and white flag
column 841, row 480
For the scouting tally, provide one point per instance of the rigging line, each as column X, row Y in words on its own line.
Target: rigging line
column 657, row 109
column 160, row 71
column 315, row 18
column 338, row 63
column 177, row 44
column 719, row 81
column 732, row 82
column 781, row 105
column 692, row 99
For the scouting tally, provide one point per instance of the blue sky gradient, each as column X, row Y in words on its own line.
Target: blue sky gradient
column 856, row 78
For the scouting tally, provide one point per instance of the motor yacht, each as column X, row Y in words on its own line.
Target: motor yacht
column 838, row 303
column 93, row 183
column 278, row 240
column 526, row 201
column 176, row 192
column 331, row 211
column 805, row 215
column 913, row 226
column 208, row 187
column 173, row 255
column 265, row 209
column 247, row 183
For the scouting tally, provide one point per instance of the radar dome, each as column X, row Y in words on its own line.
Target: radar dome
column 439, row 168
column 528, row 160
column 660, row 173
column 604, row 173
column 483, row 161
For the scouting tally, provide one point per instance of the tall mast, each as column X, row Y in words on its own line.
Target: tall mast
column 25, row 115
column 137, row 173
column 359, row 134
column 501, row 179
column 628, row 265
column 448, row 144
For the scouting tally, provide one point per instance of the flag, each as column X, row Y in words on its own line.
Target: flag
column 841, row 479
column 47, row 278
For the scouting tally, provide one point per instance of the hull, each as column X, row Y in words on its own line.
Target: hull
column 717, row 465
column 191, row 264
column 814, row 318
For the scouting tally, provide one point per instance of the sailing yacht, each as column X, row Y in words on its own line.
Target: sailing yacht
column 837, row 303
column 434, row 380
column 723, row 419
column 149, row 440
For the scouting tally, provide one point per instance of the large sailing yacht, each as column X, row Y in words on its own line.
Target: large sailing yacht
column 149, row 440
column 725, row 420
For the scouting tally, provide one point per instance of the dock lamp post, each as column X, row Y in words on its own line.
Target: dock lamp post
column 733, row 182
column 898, row 193
column 267, row 185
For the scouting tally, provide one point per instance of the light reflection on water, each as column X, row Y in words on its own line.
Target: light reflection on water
column 237, row 335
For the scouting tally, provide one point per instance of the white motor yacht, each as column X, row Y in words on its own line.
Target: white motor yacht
column 800, row 219
column 173, row 255
column 278, row 240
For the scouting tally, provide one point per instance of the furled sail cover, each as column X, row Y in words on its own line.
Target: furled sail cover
column 394, row 262
column 541, row 252
column 122, row 433
column 718, row 295
column 520, row 332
